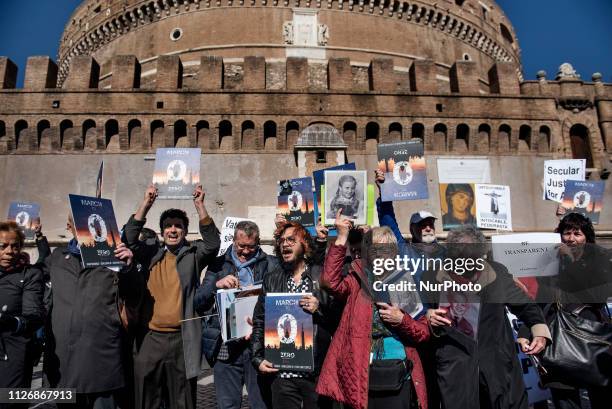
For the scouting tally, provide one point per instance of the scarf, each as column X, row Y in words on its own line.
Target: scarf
column 74, row 248
column 245, row 272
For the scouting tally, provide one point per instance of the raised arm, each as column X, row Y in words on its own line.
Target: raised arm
column 386, row 214
column 332, row 277
column 208, row 248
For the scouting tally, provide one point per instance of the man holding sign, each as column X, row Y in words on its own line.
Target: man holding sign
column 168, row 347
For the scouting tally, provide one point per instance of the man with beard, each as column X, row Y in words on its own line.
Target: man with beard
column 296, row 274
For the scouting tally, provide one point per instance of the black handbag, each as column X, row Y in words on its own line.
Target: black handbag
column 581, row 350
column 388, row 375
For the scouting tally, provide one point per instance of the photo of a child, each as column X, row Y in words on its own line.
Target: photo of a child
column 345, row 190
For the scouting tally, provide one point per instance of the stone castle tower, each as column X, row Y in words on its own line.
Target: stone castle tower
column 272, row 89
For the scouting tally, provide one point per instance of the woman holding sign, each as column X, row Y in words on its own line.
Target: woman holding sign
column 372, row 360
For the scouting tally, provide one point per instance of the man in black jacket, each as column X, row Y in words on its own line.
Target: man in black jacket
column 244, row 264
column 297, row 274
column 21, row 309
column 84, row 334
column 168, row 349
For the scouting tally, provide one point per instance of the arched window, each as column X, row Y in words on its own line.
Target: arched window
column 506, row 33
column 226, row 138
column 462, row 139
column 111, row 136
column 21, row 135
column 484, row 138
column 43, row 132
column 135, row 134
column 292, row 132
column 203, row 135
column 372, row 137
column 248, row 135
column 270, row 138
column 2, row 132
column 395, row 132
column 90, row 135
column 418, row 131
column 579, row 139
column 440, row 138
column 66, row 134
column 503, row 138
column 524, row 142
column 544, row 139
column 181, row 140
column 349, row 133
column 158, row 134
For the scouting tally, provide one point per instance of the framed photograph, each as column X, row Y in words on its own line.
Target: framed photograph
column 346, row 190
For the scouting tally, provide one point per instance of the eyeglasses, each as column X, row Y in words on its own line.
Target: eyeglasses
column 290, row 240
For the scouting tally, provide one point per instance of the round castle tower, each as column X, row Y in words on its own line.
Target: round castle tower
column 443, row 31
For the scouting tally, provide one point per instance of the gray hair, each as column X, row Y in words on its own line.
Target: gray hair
column 379, row 242
column 467, row 240
column 247, row 227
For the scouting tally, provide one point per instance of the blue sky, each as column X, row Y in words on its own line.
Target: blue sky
column 550, row 32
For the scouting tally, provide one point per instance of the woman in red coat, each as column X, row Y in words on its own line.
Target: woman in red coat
column 368, row 332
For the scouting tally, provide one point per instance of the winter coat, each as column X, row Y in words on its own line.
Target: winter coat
column 205, row 297
column 344, row 376
column 488, row 366
column 84, row 335
column 325, row 318
column 21, row 291
column 192, row 258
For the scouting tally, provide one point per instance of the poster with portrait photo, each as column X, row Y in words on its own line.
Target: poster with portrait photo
column 26, row 215
column 346, row 190
column 296, row 201
column 96, row 231
column 493, row 208
column 318, row 177
column 405, row 172
column 177, row 172
column 457, row 204
column 584, row 197
column 462, row 311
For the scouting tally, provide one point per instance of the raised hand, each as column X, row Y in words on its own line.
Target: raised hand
column 279, row 220
column 380, row 177
column 124, row 254
column 343, row 226
column 322, row 231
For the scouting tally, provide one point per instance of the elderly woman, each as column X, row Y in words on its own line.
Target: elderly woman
column 21, row 308
column 481, row 370
column 369, row 360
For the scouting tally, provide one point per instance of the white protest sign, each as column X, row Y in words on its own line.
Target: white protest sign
column 493, row 209
column 556, row 172
column 528, row 254
column 227, row 233
column 464, row 171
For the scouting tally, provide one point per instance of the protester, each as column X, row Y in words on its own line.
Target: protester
column 370, row 333
column 84, row 334
column 244, row 264
column 482, row 372
column 21, row 309
column 583, row 285
column 423, row 244
column 168, row 350
column 297, row 273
